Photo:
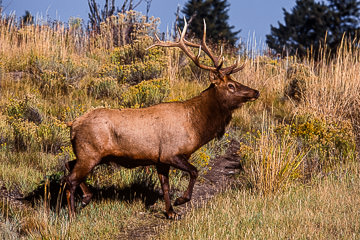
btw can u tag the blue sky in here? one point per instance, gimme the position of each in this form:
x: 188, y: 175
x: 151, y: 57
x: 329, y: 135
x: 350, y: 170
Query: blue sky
x: 254, y: 16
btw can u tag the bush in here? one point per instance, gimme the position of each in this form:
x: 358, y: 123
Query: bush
x: 331, y: 142
x: 57, y: 76
x: 104, y: 87
x: 124, y: 28
x: 202, y: 157
x: 69, y: 113
x: 146, y: 93
x: 297, y: 77
x: 53, y: 135
x: 24, y: 133
x: 132, y: 63
x: 30, y: 130
x: 25, y: 109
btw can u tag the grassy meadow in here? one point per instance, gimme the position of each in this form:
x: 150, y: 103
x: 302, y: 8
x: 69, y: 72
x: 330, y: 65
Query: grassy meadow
x: 298, y: 141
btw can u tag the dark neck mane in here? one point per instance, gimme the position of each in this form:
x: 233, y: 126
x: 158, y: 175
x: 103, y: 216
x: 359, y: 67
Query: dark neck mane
x: 209, y: 117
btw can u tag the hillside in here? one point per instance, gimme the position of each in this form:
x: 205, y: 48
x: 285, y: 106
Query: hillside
x: 295, y: 155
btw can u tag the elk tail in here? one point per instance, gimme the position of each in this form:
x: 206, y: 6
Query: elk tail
x: 69, y: 124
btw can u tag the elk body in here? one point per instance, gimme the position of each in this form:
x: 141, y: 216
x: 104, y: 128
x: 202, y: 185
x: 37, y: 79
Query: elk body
x: 164, y: 135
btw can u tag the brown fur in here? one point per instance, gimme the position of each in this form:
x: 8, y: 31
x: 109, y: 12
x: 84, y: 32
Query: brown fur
x: 163, y: 135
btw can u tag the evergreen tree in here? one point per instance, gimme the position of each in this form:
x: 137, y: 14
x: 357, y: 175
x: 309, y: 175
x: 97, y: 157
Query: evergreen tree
x: 215, y: 13
x: 27, y: 19
x: 345, y: 18
x: 310, y: 22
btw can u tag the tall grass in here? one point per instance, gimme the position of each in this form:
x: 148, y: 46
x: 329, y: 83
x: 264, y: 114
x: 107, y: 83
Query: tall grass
x: 328, y: 209
x: 271, y: 161
x: 334, y: 89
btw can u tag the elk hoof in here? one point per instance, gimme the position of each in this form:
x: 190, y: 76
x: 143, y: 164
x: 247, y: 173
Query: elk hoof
x: 86, y: 199
x: 173, y: 216
x: 180, y: 201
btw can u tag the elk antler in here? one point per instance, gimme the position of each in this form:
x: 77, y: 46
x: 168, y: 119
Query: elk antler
x: 183, y: 45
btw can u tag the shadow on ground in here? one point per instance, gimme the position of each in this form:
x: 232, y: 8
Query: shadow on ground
x: 52, y: 189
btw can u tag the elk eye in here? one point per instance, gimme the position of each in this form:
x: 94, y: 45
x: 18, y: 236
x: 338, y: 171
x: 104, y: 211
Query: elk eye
x: 231, y: 87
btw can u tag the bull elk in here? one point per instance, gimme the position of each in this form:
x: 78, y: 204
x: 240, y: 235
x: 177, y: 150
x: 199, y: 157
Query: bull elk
x: 164, y: 135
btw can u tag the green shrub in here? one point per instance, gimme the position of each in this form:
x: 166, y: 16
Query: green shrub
x: 49, y: 136
x: 24, y: 135
x: 5, y: 131
x: 57, y: 76
x: 132, y: 63
x: 331, y: 142
x: 65, y: 154
x: 53, y: 135
x: 69, y: 113
x: 31, y: 130
x: 202, y: 157
x: 25, y: 109
x: 104, y: 87
x: 146, y: 93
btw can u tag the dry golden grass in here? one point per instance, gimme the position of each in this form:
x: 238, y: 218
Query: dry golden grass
x: 326, y: 209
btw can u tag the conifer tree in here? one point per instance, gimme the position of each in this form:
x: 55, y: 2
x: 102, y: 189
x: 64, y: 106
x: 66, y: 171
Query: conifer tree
x: 215, y: 13
x: 345, y: 19
x: 310, y: 22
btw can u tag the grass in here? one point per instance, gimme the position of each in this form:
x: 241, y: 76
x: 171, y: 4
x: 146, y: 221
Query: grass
x: 304, y: 127
x: 326, y: 209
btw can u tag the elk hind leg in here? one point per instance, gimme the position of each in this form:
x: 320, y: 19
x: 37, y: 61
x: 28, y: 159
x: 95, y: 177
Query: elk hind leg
x: 163, y: 172
x: 76, y: 176
x: 87, y: 194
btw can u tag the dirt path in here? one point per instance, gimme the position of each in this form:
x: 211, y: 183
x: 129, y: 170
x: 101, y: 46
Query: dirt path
x: 219, y: 178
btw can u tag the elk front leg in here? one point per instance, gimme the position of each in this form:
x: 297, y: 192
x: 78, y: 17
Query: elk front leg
x: 163, y: 172
x: 181, y: 162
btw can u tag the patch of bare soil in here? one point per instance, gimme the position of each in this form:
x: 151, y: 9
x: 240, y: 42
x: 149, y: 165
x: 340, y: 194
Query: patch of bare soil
x: 217, y: 180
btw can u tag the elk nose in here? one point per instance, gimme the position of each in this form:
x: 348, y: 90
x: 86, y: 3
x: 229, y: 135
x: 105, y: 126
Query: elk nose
x: 257, y: 94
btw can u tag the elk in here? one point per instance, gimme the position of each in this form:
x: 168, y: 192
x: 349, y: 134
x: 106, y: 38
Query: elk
x: 164, y: 135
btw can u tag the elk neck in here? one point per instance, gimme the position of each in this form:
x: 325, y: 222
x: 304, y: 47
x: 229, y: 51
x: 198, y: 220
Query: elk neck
x: 209, y: 117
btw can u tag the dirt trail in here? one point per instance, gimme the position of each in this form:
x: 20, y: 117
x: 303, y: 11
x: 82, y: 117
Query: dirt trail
x: 218, y: 179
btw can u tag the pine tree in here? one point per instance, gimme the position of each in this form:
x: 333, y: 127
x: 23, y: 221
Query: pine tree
x: 304, y: 27
x: 345, y: 18
x: 215, y: 13
x: 27, y: 19
x: 310, y: 22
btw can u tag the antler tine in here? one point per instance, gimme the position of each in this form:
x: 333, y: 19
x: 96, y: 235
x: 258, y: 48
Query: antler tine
x: 184, y: 29
x: 207, y: 50
x: 236, y: 69
x: 221, y: 51
x: 233, y: 68
x: 221, y: 57
x: 155, y: 44
x: 182, y: 44
x: 157, y: 38
x: 204, y: 36
x: 198, y: 56
x: 172, y: 44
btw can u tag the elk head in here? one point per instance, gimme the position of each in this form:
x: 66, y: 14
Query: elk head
x: 231, y: 94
